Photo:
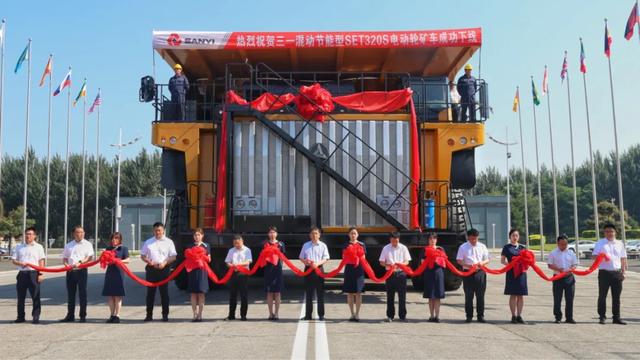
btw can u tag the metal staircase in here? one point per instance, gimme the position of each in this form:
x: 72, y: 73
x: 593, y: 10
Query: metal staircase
x: 460, y: 221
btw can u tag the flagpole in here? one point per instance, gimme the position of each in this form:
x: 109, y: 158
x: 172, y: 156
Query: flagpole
x: 540, y: 227
x: 508, y: 183
x: 26, y: 143
x: 553, y: 164
x: 573, y: 169
x: 84, y: 152
x: 619, y: 173
x: 594, y: 192
x: 4, y: 39
x: 97, y: 173
x: 66, y: 180
x: 46, y: 213
x: 524, y: 173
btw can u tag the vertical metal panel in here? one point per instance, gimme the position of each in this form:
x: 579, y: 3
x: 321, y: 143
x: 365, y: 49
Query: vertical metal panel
x: 265, y: 168
x: 251, y: 158
x: 359, y: 170
x: 278, y: 170
x: 292, y: 169
x: 237, y: 155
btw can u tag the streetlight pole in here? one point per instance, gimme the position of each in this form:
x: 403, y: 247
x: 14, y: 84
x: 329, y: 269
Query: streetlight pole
x: 120, y: 145
x: 506, y: 144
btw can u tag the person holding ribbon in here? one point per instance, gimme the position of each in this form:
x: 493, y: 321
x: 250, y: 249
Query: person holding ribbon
x: 273, y: 284
x: 198, y: 284
x: 353, y: 284
x: 433, y: 276
x: 473, y: 255
x: 158, y: 253
x: 394, y: 254
x: 314, y: 255
x: 113, y: 286
x: 28, y: 252
x: 516, y: 278
x: 611, y: 273
x: 562, y: 260
x: 77, y: 252
x: 238, y: 256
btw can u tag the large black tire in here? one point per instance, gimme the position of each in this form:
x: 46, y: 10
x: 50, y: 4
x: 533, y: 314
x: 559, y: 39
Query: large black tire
x: 451, y: 282
x: 416, y: 260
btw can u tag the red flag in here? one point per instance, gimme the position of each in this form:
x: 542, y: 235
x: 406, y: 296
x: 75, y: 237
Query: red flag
x: 607, y: 40
x: 631, y: 22
x: 47, y: 71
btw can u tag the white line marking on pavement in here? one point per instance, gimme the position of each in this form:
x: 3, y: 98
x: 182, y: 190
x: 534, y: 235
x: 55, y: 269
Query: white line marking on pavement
x: 300, y: 341
x: 322, y: 343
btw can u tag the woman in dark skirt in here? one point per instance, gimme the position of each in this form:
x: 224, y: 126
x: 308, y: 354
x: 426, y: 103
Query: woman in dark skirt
x: 515, y: 287
x: 273, y: 284
x: 198, y: 278
x: 433, y: 282
x: 353, y: 284
x: 114, y: 279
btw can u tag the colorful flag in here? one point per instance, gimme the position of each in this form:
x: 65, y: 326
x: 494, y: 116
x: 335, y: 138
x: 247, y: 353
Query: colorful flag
x: 65, y: 82
x: 516, y: 101
x: 607, y: 41
x: 534, y: 92
x: 81, y: 93
x: 545, y: 82
x: 631, y: 22
x: 96, y: 102
x: 565, y: 67
x: 23, y: 57
x: 583, y: 63
x: 47, y: 71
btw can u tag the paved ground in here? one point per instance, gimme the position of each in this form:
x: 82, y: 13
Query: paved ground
x: 335, y: 338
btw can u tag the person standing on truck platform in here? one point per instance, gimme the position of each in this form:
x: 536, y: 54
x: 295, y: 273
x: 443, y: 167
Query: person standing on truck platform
x: 178, y: 87
x: 454, y: 98
x: 515, y: 287
x: 198, y: 279
x: 28, y: 252
x: 469, y: 254
x: 158, y: 253
x: 353, y: 284
x: 467, y: 88
x: 273, y: 284
x: 77, y: 252
x: 395, y: 253
x: 610, y: 273
x: 238, y: 256
x: 434, y: 280
x: 560, y: 260
x: 314, y: 255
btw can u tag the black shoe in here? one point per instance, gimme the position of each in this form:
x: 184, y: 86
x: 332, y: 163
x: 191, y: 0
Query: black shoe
x: 558, y: 321
x: 514, y: 320
x: 109, y: 320
x: 602, y: 321
x: 148, y: 318
x: 570, y: 321
x: 306, y: 318
x: 271, y: 317
x: 165, y: 318
x: 275, y: 318
x: 468, y: 320
x: 321, y: 318
x: 356, y: 320
x: 431, y: 319
x: 404, y: 320
x: 520, y: 320
x: 436, y: 319
x: 67, y: 319
x: 35, y: 321
x: 352, y: 319
x: 243, y: 318
x: 229, y: 318
x: 116, y: 320
x: 619, y: 322
x: 481, y: 319
x: 18, y: 321
x: 194, y: 320
x: 83, y: 319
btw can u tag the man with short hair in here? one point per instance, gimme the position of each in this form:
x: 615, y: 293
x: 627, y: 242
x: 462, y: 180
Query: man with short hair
x: 28, y: 252
x: 77, y: 252
x: 392, y: 254
x: 314, y: 255
x: 238, y: 256
x: 158, y: 252
x: 611, y: 273
x: 562, y: 260
x: 469, y: 254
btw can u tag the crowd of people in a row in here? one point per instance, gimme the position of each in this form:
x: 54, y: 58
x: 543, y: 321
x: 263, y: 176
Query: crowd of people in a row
x: 159, y: 253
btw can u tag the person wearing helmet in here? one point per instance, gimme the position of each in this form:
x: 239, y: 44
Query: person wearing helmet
x: 467, y: 89
x: 178, y: 86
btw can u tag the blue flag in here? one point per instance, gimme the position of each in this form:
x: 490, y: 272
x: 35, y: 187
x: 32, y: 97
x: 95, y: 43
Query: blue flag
x: 23, y: 57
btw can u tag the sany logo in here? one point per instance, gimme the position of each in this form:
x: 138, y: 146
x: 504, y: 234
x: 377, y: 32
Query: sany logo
x: 174, y: 40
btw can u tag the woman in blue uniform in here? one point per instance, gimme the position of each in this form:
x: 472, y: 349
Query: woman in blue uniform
x: 198, y: 278
x: 353, y: 284
x: 273, y: 284
x: 114, y: 279
x: 515, y: 287
x: 433, y: 282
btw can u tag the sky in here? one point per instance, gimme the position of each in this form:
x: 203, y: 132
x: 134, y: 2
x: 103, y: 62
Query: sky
x: 109, y: 43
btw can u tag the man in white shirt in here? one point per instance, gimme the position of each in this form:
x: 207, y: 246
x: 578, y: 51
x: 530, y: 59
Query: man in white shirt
x: 560, y: 260
x: 611, y: 273
x: 472, y: 253
x: 238, y: 255
x: 29, y: 252
x: 313, y: 255
x: 158, y: 253
x: 77, y: 252
x: 395, y: 253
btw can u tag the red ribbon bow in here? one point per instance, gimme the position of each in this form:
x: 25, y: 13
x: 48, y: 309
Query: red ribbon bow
x: 522, y: 262
x: 313, y: 95
x: 352, y: 254
x: 108, y: 257
x: 433, y: 256
x: 195, y: 258
x: 271, y: 253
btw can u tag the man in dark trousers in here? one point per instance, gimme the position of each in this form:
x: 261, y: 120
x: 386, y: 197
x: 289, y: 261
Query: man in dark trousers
x: 238, y: 256
x: 178, y: 86
x: 392, y: 254
x: 611, y: 273
x: 29, y: 252
x: 313, y: 255
x: 560, y: 260
x: 77, y: 252
x: 158, y: 252
x: 467, y: 89
x: 469, y: 254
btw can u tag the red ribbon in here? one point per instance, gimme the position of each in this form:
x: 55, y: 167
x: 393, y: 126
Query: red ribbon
x: 271, y: 253
x: 433, y: 256
x: 352, y: 254
x: 195, y: 258
x: 311, y: 98
x: 522, y: 262
x: 108, y: 257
